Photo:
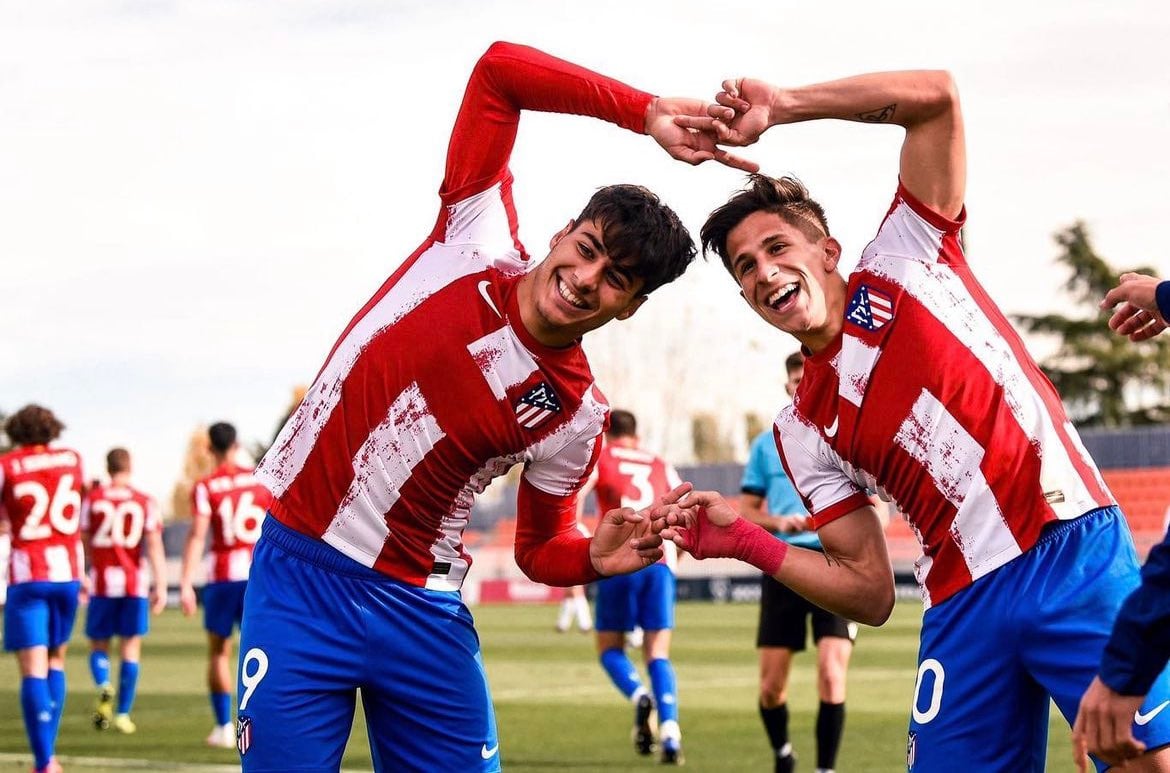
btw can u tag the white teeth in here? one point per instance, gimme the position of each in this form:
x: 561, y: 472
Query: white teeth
x: 569, y: 296
x: 775, y: 297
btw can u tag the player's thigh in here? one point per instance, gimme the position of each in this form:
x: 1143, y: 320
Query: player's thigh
x: 655, y: 598
x: 420, y: 717
x: 301, y: 655
x: 223, y: 606
x: 101, y: 618
x: 63, y: 600
x: 973, y: 700
x: 1079, y: 588
x: 26, y: 617
x: 783, y: 617
x: 613, y: 607
x: 133, y: 616
x: 40, y: 614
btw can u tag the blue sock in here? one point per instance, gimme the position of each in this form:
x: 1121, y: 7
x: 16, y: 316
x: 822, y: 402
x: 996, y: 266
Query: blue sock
x: 57, y: 696
x: 665, y: 689
x: 221, y: 705
x: 99, y: 666
x: 127, y: 686
x: 621, y: 671
x: 37, y: 707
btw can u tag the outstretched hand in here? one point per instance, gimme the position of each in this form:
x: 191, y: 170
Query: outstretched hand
x: 707, y: 527
x: 1138, y: 317
x: 689, y: 144
x: 743, y: 112
x: 624, y: 541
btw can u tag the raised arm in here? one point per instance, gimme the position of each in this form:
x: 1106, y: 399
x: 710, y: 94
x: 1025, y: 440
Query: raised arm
x: 925, y: 103
x: 510, y: 78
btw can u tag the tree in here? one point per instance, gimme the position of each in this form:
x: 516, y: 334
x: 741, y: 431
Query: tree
x: 1104, y: 379
x: 711, y: 445
x: 5, y: 443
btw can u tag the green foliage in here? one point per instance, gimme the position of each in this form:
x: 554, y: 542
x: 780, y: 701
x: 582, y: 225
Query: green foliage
x: 755, y: 424
x: 5, y: 443
x: 1104, y: 379
x: 710, y: 444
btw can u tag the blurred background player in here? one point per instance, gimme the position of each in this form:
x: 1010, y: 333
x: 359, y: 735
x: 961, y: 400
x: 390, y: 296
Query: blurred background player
x: 627, y: 476
x: 575, y: 606
x: 231, y: 504
x: 769, y: 499
x: 115, y: 520
x: 40, y: 487
x: 6, y: 551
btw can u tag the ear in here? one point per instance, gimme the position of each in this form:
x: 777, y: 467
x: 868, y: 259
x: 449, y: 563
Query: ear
x: 561, y: 234
x: 629, y: 310
x: 832, y: 254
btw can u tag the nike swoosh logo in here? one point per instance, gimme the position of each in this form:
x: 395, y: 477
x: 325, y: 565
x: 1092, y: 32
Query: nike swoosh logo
x: 487, y: 753
x: 831, y: 430
x: 483, y: 286
x: 1144, y: 719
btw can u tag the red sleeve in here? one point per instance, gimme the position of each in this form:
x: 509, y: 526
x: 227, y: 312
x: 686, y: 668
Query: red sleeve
x: 549, y: 548
x: 509, y: 78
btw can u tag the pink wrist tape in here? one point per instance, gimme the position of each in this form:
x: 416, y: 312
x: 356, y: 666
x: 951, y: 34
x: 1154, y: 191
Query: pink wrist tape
x: 757, y: 547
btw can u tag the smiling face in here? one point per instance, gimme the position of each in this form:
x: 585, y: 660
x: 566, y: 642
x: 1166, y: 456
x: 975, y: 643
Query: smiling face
x: 787, y: 278
x: 579, y: 287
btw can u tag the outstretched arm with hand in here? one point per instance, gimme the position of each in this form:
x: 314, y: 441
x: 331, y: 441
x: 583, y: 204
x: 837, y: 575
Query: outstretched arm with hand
x: 852, y: 577
x: 925, y: 103
x: 1142, y: 306
x: 549, y: 549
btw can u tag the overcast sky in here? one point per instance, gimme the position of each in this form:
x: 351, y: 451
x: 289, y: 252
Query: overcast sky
x: 195, y: 197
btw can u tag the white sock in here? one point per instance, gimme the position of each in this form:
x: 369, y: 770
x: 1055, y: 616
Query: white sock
x: 584, y: 619
x: 566, y: 614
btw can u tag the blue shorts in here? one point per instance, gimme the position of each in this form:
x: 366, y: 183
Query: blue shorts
x: 40, y: 614
x: 993, y: 654
x: 317, y: 626
x: 223, y: 606
x: 125, y: 616
x: 644, y: 598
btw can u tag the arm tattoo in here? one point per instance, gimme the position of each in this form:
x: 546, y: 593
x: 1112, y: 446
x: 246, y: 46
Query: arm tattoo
x: 881, y: 115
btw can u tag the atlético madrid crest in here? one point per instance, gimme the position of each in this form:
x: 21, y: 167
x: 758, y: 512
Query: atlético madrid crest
x: 869, y: 308
x: 243, y: 734
x: 537, y: 406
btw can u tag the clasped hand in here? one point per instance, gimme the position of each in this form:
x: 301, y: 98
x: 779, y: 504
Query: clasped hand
x: 625, y: 539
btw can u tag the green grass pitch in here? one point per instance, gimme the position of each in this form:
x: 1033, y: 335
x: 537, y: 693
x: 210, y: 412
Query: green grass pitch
x: 555, y: 708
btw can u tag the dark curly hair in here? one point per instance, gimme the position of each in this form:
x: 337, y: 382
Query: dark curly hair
x: 33, y: 425
x: 641, y: 233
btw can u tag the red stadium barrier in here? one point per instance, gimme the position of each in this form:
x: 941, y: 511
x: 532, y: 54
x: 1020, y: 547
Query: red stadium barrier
x: 517, y: 591
x: 1144, y: 496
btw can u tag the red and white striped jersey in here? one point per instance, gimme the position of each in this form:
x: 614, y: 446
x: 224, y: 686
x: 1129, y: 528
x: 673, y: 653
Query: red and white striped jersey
x: 40, y: 488
x: 115, y: 520
x: 436, y: 387
x: 235, y: 503
x: 929, y: 398
x: 631, y: 477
